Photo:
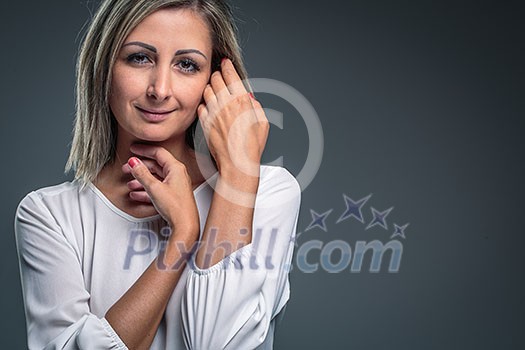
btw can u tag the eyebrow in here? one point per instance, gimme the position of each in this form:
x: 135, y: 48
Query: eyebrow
x: 141, y: 44
x: 154, y: 50
x: 185, y: 51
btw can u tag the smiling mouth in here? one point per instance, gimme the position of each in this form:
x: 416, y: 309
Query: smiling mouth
x: 153, y: 115
x: 154, y: 111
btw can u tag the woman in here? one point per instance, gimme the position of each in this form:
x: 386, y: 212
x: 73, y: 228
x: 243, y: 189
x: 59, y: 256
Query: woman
x: 152, y: 247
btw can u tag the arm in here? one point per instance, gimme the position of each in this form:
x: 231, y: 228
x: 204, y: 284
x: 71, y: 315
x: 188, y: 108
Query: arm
x: 231, y: 294
x: 231, y: 304
x: 236, y: 130
x: 55, y: 297
x: 137, y: 314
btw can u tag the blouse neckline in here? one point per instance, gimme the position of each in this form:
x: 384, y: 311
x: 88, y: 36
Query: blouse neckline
x: 130, y: 217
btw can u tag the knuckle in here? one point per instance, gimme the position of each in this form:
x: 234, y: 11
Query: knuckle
x: 156, y: 153
x: 256, y: 104
x: 215, y: 75
x: 242, y: 100
x: 226, y: 71
x: 245, y: 98
x: 202, y: 113
x: 178, y: 166
x: 207, y: 91
x: 175, y: 165
x: 153, y: 186
x: 139, y: 170
x: 223, y: 93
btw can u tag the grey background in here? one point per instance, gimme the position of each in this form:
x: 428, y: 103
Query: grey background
x: 421, y: 105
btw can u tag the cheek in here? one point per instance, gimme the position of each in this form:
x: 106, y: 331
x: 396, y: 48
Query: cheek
x: 124, y: 85
x: 190, y: 92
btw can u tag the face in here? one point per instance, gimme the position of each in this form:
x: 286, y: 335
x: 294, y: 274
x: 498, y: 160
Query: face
x: 160, y: 74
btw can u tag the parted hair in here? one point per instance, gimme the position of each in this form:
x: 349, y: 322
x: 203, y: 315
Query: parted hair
x: 95, y: 129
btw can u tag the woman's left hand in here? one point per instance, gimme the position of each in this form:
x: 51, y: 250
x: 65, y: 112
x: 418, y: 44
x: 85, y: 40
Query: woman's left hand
x: 172, y: 194
x: 137, y: 191
x: 234, y: 123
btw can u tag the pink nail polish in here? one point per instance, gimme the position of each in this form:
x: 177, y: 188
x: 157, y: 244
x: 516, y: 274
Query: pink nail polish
x: 133, y: 161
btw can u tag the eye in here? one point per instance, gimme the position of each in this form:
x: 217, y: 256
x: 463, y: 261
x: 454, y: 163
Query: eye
x: 138, y: 58
x: 188, y: 65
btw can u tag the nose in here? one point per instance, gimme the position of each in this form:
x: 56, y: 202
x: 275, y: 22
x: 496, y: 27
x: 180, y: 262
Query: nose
x: 160, y: 85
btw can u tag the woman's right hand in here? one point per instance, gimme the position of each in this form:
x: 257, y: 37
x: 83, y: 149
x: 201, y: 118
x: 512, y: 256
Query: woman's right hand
x: 170, y: 192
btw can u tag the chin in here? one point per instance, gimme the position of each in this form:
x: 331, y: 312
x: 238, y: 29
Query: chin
x: 158, y: 136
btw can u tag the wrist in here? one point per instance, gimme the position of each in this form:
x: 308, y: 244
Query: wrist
x: 177, y: 250
x: 240, y: 189
x: 239, y: 180
x: 231, y: 171
x: 184, y: 233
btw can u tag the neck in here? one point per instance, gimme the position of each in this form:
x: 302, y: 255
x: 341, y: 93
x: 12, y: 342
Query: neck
x: 176, y: 146
x: 112, y: 181
x: 112, y: 174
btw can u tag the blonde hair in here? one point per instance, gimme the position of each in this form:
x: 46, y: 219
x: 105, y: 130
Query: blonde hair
x: 95, y: 130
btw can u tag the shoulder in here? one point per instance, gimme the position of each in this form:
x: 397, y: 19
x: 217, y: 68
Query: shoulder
x: 43, y: 222
x: 278, y: 186
x: 46, y: 198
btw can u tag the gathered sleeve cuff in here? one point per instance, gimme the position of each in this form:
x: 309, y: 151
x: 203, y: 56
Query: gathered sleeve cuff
x: 216, y: 316
x: 231, y: 304
x: 89, y: 332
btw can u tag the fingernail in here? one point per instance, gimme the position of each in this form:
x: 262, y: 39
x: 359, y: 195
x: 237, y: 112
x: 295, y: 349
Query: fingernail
x: 223, y: 59
x: 133, y: 161
x: 252, y: 96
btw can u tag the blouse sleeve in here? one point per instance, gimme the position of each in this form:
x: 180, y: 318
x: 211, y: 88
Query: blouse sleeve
x: 230, y: 305
x: 55, y: 298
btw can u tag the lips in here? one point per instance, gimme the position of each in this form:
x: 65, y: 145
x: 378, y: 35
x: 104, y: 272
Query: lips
x: 154, y: 115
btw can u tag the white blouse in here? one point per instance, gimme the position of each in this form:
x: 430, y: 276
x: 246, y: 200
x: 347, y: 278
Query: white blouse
x: 79, y: 254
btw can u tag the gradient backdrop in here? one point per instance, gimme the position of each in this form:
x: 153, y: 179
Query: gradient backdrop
x: 421, y: 105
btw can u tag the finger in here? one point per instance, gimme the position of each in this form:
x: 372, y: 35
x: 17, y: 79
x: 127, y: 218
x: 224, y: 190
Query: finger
x: 142, y: 173
x: 202, y: 111
x: 219, y: 87
x: 169, y: 164
x: 140, y: 196
x: 126, y: 168
x: 159, y: 154
x: 204, y: 115
x: 209, y: 96
x: 205, y: 120
x: 152, y: 165
x: 135, y: 185
x: 232, y: 78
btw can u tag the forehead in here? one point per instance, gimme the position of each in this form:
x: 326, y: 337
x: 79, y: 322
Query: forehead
x: 173, y: 28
